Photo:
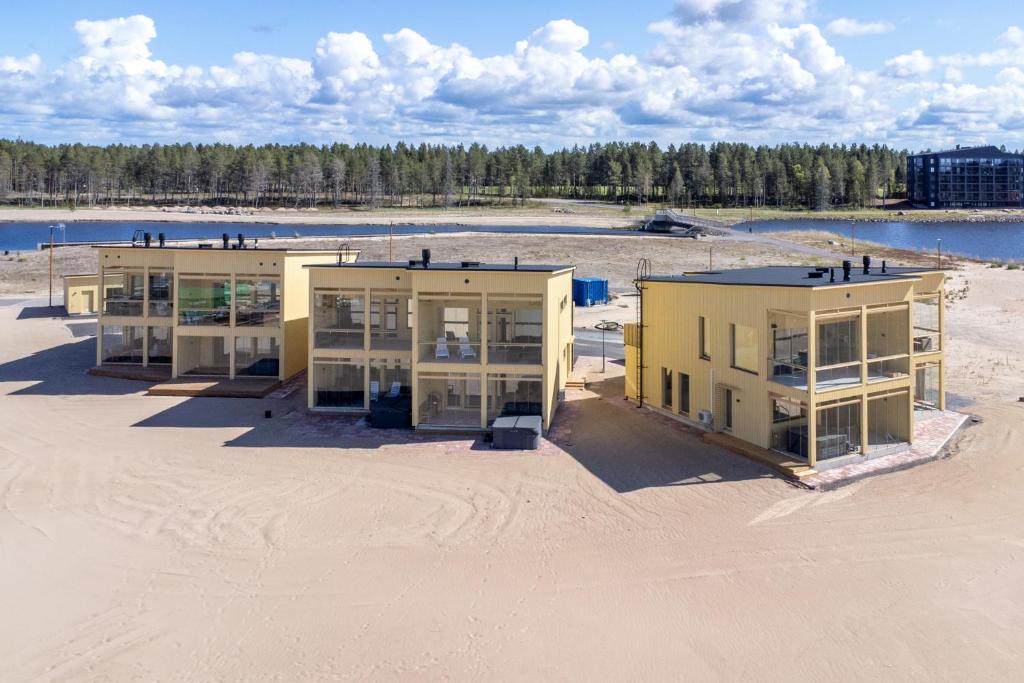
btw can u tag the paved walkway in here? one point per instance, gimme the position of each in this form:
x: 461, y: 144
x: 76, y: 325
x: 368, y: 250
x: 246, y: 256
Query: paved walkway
x: 930, y: 436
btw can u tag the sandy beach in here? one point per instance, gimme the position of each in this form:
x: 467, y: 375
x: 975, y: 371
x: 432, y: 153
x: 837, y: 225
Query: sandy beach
x: 155, y: 538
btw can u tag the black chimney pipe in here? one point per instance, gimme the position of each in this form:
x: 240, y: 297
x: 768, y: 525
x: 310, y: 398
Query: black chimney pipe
x: 867, y: 264
x: 515, y: 265
x: 147, y: 238
x: 224, y: 238
x: 426, y: 258
x: 883, y: 266
x: 847, y: 266
x: 241, y: 241
x: 161, y: 239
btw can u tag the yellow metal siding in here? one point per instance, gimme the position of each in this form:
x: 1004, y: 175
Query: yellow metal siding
x: 81, y: 294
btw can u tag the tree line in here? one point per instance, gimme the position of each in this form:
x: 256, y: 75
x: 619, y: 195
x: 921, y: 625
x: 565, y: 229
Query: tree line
x: 301, y: 175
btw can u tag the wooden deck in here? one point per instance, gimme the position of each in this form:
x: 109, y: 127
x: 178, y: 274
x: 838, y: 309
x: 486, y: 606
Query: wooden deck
x: 790, y: 467
x: 154, y: 373
x: 216, y: 388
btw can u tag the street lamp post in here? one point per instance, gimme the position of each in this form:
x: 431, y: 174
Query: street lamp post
x: 605, y: 326
x: 59, y: 226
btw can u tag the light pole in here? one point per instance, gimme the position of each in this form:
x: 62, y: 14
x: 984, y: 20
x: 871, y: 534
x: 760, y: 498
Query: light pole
x: 59, y: 226
x: 605, y: 326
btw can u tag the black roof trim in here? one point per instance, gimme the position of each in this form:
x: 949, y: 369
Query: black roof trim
x: 796, y: 276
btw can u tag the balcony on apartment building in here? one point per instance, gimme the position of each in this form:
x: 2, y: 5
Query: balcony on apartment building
x: 843, y: 357
x: 449, y: 329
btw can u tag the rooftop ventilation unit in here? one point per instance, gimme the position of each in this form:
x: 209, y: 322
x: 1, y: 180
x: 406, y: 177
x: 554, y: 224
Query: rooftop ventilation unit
x: 816, y: 275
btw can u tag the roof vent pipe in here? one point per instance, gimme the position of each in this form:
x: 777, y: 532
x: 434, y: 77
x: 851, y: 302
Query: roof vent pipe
x: 515, y: 263
x: 883, y: 266
x: 161, y: 239
x: 147, y: 238
x: 847, y: 266
x: 224, y: 238
x: 241, y: 241
x: 867, y: 264
x: 831, y: 274
x: 426, y: 258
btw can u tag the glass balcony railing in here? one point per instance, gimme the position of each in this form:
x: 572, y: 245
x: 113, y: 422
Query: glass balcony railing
x: 443, y: 350
x: 338, y: 338
x: 123, y: 306
x: 219, y: 316
x: 515, y: 353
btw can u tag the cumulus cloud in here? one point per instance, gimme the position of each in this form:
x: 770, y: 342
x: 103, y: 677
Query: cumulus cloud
x: 757, y: 70
x: 910, y: 65
x: 847, y: 27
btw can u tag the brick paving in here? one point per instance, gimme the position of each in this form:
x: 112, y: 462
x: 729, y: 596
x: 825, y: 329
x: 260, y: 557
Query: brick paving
x: 931, y: 433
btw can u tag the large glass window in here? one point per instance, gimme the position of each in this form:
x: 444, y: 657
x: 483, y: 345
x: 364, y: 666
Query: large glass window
x: 122, y: 344
x: 339, y: 319
x: 788, y: 358
x: 703, y: 338
x: 160, y: 345
x: 257, y: 302
x: 515, y: 332
x: 744, y: 347
x: 390, y: 322
x: 449, y: 400
x: 838, y: 429
x: 204, y: 300
x: 926, y: 384
x: 838, y: 353
x: 257, y: 357
x: 390, y: 378
x: 888, y: 420
x: 338, y: 384
x: 449, y: 330
x: 123, y: 291
x: 161, y: 284
x: 789, y: 427
x: 204, y: 355
x: 927, y: 335
x: 888, y: 345
x: 511, y: 395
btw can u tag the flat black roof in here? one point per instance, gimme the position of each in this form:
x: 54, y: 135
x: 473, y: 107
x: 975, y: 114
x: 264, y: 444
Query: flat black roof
x: 795, y: 276
x: 217, y: 247
x: 461, y: 266
x: 981, y: 151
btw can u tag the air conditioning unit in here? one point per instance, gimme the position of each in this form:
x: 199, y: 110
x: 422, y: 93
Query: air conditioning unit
x: 706, y: 418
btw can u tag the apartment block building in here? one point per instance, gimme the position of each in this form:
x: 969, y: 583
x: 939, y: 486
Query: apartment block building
x: 230, y: 312
x: 458, y: 344
x: 825, y: 365
x: 966, y: 177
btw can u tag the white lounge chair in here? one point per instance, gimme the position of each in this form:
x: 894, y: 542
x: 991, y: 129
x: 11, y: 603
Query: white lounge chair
x: 441, y: 350
x: 374, y: 390
x: 396, y: 388
x: 465, y: 350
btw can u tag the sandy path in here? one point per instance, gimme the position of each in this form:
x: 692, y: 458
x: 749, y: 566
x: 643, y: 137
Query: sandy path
x: 163, y: 539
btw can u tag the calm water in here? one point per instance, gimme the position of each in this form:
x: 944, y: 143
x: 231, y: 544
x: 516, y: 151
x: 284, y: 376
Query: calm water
x: 1004, y: 241
x: 982, y: 240
x: 28, y: 236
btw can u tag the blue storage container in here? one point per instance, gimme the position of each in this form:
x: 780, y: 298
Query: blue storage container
x: 589, y: 291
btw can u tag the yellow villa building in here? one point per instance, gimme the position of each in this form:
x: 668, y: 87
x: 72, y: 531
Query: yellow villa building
x: 456, y: 344
x: 824, y: 365
x: 232, y: 311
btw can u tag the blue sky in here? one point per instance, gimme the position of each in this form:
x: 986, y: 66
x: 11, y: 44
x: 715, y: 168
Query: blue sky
x: 914, y: 73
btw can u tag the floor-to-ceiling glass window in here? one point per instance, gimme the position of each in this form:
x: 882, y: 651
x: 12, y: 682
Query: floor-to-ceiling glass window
x: 838, y: 429
x: 515, y: 331
x: 509, y: 395
x: 257, y: 357
x: 339, y: 384
x: 339, y: 320
x: 257, y: 302
x: 122, y: 344
x: 204, y: 301
x: 204, y: 356
x: 160, y: 345
x: 451, y: 399
x: 161, y: 299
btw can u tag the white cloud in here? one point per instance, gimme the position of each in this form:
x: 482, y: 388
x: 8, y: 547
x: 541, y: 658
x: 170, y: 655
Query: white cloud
x: 911, y: 65
x: 753, y: 70
x: 845, y: 26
